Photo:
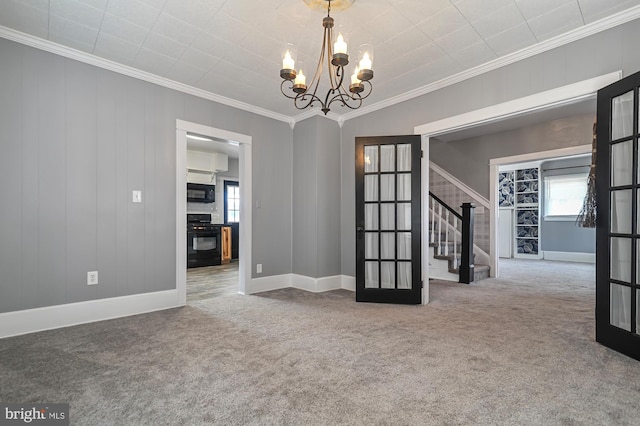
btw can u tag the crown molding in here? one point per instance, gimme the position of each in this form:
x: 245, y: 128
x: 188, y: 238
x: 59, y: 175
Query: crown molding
x: 312, y: 112
x: 106, y: 64
x: 544, y: 46
x: 552, y: 43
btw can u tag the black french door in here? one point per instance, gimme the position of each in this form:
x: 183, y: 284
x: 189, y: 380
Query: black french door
x: 618, y: 227
x: 388, y: 226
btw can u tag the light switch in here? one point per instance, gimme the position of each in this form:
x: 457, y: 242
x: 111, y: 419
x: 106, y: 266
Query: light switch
x: 137, y: 196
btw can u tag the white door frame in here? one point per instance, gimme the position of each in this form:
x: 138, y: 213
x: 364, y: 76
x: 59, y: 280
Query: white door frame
x: 540, y: 101
x: 245, y: 148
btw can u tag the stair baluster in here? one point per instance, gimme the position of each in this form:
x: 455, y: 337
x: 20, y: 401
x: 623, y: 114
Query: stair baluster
x: 466, y: 266
x: 440, y: 229
x: 446, y: 233
x: 433, y: 221
x: 455, y: 240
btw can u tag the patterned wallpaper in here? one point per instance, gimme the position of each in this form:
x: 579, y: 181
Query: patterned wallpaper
x: 505, y: 189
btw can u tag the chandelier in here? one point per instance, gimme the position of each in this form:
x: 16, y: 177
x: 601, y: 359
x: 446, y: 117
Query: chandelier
x: 334, y: 52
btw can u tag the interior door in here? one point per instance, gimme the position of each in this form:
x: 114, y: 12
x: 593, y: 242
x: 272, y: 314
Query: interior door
x: 618, y: 230
x: 388, y: 226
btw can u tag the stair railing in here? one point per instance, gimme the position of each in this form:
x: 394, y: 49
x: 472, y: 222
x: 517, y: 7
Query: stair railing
x: 440, y: 226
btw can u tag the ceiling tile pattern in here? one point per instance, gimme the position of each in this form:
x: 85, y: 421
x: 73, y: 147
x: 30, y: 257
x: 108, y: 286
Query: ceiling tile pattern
x: 232, y: 47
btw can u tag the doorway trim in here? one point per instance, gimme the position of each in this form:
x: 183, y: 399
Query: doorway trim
x: 245, y: 161
x: 540, y: 101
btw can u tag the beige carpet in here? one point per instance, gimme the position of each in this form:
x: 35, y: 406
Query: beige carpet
x: 502, y: 351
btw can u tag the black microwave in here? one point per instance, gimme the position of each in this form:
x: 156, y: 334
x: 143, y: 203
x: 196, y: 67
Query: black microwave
x: 201, y: 193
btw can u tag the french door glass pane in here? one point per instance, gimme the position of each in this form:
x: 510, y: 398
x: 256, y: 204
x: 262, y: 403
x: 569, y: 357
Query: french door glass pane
x: 371, y: 245
x: 638, y: 261
x: 637, y: 312
x: 620, y: 306
x: 371, y: 217
x: 387, y: 217
x: 638, y: 213
x: 621, y: 163
x: 404, y: 216
x: 370, y: 159
x: 388, y: 158
x: 387, y: 188
x: 404, y: 245
x: 388, y: 272
x: 371, y: 279
x: 404, y: 275
x: 371, y: 188
x: 621, y: 211
x: 404, y: 157
x: 622, y: 116
x: 404, y: 187
x: 387, y: 245
x: 620, y: 259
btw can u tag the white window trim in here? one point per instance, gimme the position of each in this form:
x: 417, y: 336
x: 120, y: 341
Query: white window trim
x: 559, y: 217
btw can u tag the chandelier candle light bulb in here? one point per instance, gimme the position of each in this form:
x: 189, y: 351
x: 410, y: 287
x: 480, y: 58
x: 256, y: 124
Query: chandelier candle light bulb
x: 288, y: 71
x: 366, y: 60
x: 288, y: 62
x: 340, y: 46
x: 300, y: 82
x: 356, y: 85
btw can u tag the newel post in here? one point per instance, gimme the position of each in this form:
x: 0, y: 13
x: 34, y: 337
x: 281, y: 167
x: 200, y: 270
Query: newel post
x: 466, y: 269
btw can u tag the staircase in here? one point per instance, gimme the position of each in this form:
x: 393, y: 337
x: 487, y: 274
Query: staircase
x: 446, y: 266
x: 452, y: 253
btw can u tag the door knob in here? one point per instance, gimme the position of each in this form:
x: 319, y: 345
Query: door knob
x: 359, y: 229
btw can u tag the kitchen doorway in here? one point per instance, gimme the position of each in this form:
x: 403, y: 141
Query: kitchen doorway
x: 220, y: 140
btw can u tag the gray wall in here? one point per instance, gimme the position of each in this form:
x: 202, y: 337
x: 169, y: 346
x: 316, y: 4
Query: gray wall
x: 75, y: 140
x: 468, y: 159
x: 565, y: 235
x: 599, y: 54
x: 316, y: 198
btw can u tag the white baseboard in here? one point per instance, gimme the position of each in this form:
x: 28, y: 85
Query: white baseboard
x: 569, y: 256
x: 51, y: 317
x: 316, y: 285
x: 348, y: 282
x: 274, y: 282
x: 302, y: 282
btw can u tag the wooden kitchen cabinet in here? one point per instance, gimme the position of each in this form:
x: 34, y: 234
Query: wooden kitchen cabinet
x: 226, y: 244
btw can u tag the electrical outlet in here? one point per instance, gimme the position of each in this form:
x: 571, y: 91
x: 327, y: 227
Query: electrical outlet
x: 92, y: 278
x: 259, y: 268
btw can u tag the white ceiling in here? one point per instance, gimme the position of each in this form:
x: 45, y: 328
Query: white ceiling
x: 232, y: 48
x: 213, y: 145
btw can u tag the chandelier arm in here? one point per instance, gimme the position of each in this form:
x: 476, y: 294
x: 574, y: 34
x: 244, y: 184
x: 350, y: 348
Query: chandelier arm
x: 290, y: 88
x: 301, y: 103
x: 367, y: 91
x: 330, y: 71
x: 344, y: 98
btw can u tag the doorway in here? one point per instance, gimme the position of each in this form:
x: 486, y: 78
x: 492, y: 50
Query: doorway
x: 534, y: 220
x: 553, y: 98
x: 244, y: 145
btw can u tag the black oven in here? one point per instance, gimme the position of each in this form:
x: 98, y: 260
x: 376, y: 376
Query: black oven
x: 201, y: 193
x: 203, y: 241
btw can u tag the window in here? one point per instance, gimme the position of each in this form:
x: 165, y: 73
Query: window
x: 564, y: 195
x: 231, y: 202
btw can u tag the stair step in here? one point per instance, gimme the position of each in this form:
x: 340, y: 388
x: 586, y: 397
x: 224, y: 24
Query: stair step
x: 480, y: 272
